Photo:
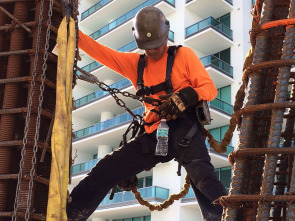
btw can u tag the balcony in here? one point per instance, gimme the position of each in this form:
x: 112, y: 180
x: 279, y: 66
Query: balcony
x: 94, y: 8
x: 215, y: 8
x: 102, y: 126
x: 100, y: 93
x: 208, y: 36
x: 221, y: 106
x: 128, y: 16
x: 220, y: 71
x: 105, y: 11
x: 152, y: 193
x: 83, y: 167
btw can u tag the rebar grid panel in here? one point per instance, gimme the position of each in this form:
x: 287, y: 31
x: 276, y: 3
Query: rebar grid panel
x: 282, y: 84
x: 254, y: 89
x: 10, y: 99
x: 262, y: 119
x: 287, y: 164
x: 18, y: 52
x: 273, y: 45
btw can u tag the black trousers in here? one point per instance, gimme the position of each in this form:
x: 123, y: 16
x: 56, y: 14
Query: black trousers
x: 130, y: 160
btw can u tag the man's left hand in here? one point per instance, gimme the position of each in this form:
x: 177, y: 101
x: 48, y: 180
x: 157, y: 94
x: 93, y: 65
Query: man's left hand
x: 172, y: 107
x: 176, y: 103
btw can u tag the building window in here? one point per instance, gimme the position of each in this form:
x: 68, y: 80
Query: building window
x: 224, y: 94
x: 225, y: 19
x: 218, y: 133
x: 224, y: 55
x: 142, y: 182
x: 149, y: 181
x: 224, y: 175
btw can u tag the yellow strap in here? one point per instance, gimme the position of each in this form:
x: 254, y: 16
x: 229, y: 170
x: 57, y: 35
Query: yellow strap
x: 62, y: 128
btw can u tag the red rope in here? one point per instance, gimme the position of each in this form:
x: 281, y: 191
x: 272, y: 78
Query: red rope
x: 287, y: 22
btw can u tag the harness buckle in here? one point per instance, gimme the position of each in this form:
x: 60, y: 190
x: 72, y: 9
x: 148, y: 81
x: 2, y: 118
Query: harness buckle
x: 185, y: 142
x: 144, y: 91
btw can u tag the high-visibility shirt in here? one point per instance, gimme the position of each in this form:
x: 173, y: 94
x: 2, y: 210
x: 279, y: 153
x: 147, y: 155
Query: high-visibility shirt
x: 187, y: 70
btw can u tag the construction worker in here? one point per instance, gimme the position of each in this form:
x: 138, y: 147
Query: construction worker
x: 187, y: 85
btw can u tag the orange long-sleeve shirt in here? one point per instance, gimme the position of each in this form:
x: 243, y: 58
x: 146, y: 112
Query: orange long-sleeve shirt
x: 187, y: 70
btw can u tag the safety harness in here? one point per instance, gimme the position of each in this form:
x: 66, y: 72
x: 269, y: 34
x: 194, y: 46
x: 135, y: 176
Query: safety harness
x: 166, y: 85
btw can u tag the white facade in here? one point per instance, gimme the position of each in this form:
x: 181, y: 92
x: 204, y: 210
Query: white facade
x: 99, y: 122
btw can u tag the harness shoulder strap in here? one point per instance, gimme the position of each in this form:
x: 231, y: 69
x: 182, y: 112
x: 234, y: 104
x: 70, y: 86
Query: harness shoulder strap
x: 170, y: 60
x: 140, y: 69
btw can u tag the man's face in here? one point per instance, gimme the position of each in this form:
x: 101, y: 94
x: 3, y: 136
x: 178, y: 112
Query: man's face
x: 156, y: 53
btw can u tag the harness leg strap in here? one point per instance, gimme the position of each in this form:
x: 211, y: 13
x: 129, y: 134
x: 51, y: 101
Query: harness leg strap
x: 184, y: 143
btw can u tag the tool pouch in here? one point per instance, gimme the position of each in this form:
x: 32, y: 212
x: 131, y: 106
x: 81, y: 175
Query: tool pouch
x: 203, y: 113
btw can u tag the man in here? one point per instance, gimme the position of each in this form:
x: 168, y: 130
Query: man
x: 190, y: 83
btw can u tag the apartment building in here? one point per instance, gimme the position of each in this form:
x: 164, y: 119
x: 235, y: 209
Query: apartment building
x: 218, y: 32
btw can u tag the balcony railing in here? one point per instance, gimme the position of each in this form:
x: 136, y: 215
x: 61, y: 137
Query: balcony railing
x: 94, y: 8
x: 128, y: 47
x: 127, y: 16
x: 107, y: 124
x: 92, y: 66
x: 84, y: 166
x: 208, y: 22
x: 147, y: 192
x: 218, y: 64
x: 222, y: 105
x: 99, y: 93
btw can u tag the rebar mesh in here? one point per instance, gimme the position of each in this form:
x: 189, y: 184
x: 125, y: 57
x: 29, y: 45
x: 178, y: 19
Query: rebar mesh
x: 18, y: 43
x: 261, y: 187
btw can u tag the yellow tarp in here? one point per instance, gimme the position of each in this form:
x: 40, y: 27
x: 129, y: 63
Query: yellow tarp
x: 62, y: 128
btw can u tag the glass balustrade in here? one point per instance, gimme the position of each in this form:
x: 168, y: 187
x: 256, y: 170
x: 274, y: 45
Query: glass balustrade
x: 94, y: 8
x: 219, y: 64
x: 93, y: 65
x: 222, y: 105
x: 128, y: 47
x: 99, y: 93
x: 147, y: 192
x: 207, y: 22
x: 108, y: 123
x: 126, y: 17
x: 84, y: 166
